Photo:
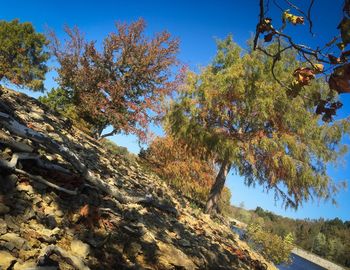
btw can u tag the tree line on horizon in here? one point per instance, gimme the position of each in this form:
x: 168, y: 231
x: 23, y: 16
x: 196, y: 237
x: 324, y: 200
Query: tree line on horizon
x: 328, y: 238
x: 235, y: 110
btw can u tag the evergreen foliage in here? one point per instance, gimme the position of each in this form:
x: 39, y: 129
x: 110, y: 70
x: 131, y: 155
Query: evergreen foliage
x: 22, y: 55
x: 329, y: 239
x: 61, y: 101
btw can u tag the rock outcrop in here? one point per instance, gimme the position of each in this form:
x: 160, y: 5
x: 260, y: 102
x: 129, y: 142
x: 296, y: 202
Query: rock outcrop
x: 67, y: 203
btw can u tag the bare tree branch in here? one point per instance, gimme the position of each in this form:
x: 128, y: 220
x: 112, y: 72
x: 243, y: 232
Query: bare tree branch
x: 261, y: 20
x: 309, y: 17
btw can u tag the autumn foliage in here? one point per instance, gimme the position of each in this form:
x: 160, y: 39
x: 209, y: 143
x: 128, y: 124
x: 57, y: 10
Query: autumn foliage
x: 188, y: 172
x: 122, y: 84
x: 330, y: 60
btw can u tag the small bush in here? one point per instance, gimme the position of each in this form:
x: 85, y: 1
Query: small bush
x: 61, y: 101
x: 189, y: 172
x: 272, y: 246
x: 117, y: 150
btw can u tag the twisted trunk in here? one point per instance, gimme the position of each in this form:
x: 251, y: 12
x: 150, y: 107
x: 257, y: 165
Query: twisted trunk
x: 217, y: 188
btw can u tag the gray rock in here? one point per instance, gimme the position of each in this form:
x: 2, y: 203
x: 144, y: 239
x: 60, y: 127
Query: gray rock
x: 184, y: 243
x: 48, y: 236
x: 170, y: 256
x: 59, y: 213
x: 7, y: 245
x: 12, y: 223
x: 9, y: 183
x: 25, y: 265
x: 132, y: 249
x: 4, y: 209
x: 26, y: 188
x: 36, y: 268
x: 29, y: 214
x: 51, y: 222
x: 3, y: 226
x: 131, y: 215
x: 47, y: 199
x: 48, y: 210
x: 14, y: 239
x: 36, y: 116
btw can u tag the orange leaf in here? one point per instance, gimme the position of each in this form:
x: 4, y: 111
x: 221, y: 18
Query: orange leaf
x: 84, y: 211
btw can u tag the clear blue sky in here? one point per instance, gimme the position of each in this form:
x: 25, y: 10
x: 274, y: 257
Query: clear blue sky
x: 197, y: 24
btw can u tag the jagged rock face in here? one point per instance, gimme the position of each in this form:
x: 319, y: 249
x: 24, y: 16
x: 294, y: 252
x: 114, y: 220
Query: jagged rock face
x: 126, y: 219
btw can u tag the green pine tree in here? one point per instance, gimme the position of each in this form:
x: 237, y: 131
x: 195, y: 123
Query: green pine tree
x: 22, y: 55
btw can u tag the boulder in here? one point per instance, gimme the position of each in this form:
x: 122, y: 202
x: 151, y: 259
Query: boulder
x: 169, y: 256
x: 6, y: 259
x: 4, y: 209
x: 14, y: 239
x: 80, y: 248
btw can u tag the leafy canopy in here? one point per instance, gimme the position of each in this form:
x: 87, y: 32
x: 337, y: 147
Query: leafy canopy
x: 238, y: 112
x: 123, y: 83
x: 22, y: 55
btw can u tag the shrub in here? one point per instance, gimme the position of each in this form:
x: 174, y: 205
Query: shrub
x: 272, y: 246
x: 192, y: 173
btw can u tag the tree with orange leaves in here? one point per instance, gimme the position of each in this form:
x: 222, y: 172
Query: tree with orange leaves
x: 122, y: 84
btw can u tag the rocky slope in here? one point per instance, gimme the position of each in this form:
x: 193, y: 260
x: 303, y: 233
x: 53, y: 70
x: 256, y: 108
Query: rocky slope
x: 68, y: 203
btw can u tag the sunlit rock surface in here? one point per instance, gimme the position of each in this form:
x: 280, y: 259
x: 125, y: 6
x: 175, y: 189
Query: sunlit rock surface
x: 146, y: 225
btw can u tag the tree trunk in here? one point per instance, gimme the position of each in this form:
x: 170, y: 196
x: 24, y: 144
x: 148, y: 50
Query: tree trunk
x: 218, y: 186
x: 113, y: 132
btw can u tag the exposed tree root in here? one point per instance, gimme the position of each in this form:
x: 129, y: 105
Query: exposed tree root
x: 23, y: 131
x: 18, y: 146
x: 42, y: 180
x: 11, y: 166
x: 150, y: 201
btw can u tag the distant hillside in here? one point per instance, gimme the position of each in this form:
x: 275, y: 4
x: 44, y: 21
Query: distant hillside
x: 329, y: 239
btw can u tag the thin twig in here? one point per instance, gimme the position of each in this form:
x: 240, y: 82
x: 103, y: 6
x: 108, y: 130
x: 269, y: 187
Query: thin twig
x: 267, y: 7
x: 307, y: 16
x: 277, y: 5
x: 305, y: 49
x: 275, y: 58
